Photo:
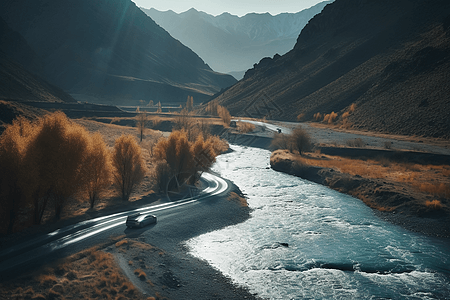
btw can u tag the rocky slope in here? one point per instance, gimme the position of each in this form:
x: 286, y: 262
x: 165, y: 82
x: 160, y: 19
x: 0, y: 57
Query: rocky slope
x: 390, y: 58
x: 109, y: 49
x: 230, y: 43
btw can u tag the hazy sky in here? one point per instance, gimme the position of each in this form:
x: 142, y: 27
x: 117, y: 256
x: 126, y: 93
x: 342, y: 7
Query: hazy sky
x: 235, y: 7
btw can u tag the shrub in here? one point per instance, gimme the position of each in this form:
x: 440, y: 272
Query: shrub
x: 217, y: 144
x: 330, y: 118
x: 245, y: 127
x: 435, y: 204
x: 129, y: 166
x: 387, y: 145
x: 357, y: 143
x: 317, y: 117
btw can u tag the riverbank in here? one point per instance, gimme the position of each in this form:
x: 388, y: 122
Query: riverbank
x: 396, y: 202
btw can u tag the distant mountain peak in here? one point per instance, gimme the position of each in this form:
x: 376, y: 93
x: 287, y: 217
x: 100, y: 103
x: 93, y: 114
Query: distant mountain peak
x: 231, y: 43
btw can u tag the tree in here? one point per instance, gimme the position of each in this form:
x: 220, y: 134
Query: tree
x: 190, y: 103
x: 141, y: 122
x: 298, y: 140
x: 301, y: 140
x: 281, y: 141
x: 212, y: 107
x: 176, y: 151
x: 129, y: 166
x: 224, y: 114
x: 159, y: 109
x: 56, y: 157
x: 204, y: 155
x: 187, y: 160
x: 13, y: 143
x: 97, y: 168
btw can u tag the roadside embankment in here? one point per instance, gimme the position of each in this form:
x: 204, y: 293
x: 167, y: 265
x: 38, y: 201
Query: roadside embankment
x: 397, y: 202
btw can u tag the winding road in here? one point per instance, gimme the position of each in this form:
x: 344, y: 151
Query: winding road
x: 77, y: 237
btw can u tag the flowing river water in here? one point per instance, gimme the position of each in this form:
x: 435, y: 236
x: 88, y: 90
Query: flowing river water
x: 305, y: 241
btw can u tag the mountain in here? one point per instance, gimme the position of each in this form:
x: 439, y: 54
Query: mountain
x: 389, y: 58
x: 232, y: 44
x: 110, y: 50
x: 16, y: 82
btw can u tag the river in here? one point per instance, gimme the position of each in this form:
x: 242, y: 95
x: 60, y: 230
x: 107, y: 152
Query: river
x: 305, y: 241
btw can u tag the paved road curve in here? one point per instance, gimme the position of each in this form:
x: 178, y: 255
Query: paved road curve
x: 77, y: 237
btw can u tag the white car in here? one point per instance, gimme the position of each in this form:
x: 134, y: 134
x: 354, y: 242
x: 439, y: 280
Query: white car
x: 140, y: 220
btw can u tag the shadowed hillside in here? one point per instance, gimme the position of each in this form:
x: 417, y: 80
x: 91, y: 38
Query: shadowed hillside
x: 16, y: 82
x: 109, y: 49
x: 230, y: 43
x: 390, y: 58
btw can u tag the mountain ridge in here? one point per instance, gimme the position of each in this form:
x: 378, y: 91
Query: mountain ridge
x: 111, y: 50
x: 230, y: 43
x: 390, y: 59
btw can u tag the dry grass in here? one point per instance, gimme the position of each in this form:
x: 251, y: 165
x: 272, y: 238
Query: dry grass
x: 435, y: 204
x: 357, y: 143
x: 90, y: 274
x: 121, y: 243
x: 245, y: 127
x: 430, y: 179
x: 437, y: 189
x: 236, y: 198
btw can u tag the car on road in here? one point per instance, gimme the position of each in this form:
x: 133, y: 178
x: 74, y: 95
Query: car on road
x: 140, y: 220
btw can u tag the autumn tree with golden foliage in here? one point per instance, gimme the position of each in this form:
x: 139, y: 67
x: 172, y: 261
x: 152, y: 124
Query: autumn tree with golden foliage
x: 56, y: 157
x: 176, y: 151
x: 97, y: 169
x: 224, y: 114
x: 187, y: 160
x: 13, y: 144
x: 129, y: 166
